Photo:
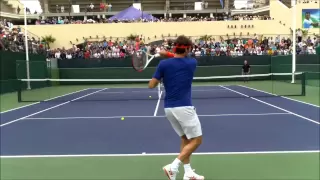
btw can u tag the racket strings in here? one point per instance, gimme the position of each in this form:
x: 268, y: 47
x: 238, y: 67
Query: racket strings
x: 139, y: 60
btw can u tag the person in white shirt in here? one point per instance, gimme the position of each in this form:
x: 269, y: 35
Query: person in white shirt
x: 251, y: 51
x: 197, y: 53
x: 307, y: 22
x: 259, y: 52
x: 233, y: 53
x: 157, y: 50
x: 113, y: 48
x: 254, y: 52
x: 310, y: 49
x: 240, y: 53
x: 114, y: 54
x: 91, y: 6
x: 258, y: 48
x: 69, y: 56
x: 104, y: 53
x: 109, y: 54
x: 57, y: 55
x: 62, y: 9
x: 299, y: 35
x: 313, y: 41
x: 96, y: 55
x: 109, y: 7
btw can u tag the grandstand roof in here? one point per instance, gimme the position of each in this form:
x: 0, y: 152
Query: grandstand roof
x: 10, y: 6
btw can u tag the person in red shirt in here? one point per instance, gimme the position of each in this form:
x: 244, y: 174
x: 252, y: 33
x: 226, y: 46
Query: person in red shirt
x: 87, y: 55
x: 102, y: 7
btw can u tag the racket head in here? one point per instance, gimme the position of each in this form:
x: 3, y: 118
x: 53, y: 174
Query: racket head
x: 139, y: 60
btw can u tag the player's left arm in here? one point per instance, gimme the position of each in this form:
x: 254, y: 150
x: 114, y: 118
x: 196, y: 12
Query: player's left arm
x: 156, y: 77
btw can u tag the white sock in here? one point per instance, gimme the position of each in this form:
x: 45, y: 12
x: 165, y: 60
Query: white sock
x: 187, y: 168
x: 175, y: 164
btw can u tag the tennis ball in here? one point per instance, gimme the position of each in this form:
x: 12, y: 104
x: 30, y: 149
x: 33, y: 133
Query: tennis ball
x: 149, y: 96
x: 122, y: 118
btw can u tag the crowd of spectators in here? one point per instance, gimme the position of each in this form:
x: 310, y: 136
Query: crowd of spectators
x: 13, y: 39
x: 211, y: 47
x: 222, y: 17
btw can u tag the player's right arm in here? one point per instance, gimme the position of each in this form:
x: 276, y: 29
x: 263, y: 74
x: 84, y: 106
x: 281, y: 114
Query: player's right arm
x: 157, y: 76
x: 166, y: 54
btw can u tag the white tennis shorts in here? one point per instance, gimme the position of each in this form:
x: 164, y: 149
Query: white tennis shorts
x: 184, y: 121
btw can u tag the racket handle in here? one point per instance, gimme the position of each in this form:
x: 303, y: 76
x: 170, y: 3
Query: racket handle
x: 157, y: 55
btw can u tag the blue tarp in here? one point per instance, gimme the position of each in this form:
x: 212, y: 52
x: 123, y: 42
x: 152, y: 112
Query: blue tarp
x: 132, y: 13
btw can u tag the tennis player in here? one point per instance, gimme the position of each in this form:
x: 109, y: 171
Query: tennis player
x: 246, y: 70
x: 177, y: 75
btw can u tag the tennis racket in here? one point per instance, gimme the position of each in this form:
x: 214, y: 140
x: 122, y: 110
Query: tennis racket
x: 141, y: 60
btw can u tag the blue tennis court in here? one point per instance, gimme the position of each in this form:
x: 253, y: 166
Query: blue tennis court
x: 79, y: 124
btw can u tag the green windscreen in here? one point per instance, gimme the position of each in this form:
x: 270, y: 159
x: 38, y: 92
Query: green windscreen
x: 37, y: 70
x: 130, y: 73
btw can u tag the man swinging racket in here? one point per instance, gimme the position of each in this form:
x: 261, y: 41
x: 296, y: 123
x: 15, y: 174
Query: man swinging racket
x: 177, y: 73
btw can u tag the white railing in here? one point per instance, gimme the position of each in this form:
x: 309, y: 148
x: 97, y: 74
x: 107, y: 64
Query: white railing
x: 250, y: 11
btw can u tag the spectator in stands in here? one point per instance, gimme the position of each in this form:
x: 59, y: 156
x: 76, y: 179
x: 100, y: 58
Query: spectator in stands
x: 62, y: 9
x: 102, y: 6
x: 109, y: 7
x: 91, y: 7
x: 188, y: 18
x: 299, y: 35
x: 18, y: 10
x: 68, y: 55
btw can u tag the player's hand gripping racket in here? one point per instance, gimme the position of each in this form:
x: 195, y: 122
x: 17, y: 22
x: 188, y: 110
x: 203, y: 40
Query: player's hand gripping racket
x: 141, y: 60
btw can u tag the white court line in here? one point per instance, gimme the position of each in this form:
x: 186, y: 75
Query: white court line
x: 122, y: 92
x: 157, y: 154
x: 16, y: 120
x: 111, y: 92
x: 157, y: 106
x: 290, y: 112
x: 114, y: 117
x: 280, y: 96
x: 39, y: 102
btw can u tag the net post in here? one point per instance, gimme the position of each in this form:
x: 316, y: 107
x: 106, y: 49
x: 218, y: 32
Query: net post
x: 303, y: 84
x: 26, y: 46
x: 19, y: 91
x: 294, y: 26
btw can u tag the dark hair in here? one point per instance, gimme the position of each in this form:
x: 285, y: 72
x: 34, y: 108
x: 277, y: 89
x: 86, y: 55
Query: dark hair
x: 182, y: 41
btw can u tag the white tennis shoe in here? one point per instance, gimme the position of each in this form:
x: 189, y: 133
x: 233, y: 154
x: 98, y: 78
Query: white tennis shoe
x: 169, y: 173
x: 192, y: 176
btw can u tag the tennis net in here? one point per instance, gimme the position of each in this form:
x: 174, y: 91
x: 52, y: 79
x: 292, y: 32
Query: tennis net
x: 258, y: 85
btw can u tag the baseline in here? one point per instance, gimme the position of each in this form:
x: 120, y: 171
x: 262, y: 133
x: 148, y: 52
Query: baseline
x: 157, y: 154
x: 22, y: 118
x: 45, y: 100
x: 280, y: 96
x: 290, y: 112
x: 114, y: 117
